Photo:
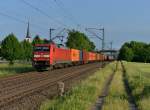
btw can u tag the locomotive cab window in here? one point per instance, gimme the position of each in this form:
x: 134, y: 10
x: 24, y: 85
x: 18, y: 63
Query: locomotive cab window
x: 41, y: 48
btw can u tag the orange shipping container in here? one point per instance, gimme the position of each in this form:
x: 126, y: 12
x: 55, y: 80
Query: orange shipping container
x: 75, y: 55
x: 92, y: 56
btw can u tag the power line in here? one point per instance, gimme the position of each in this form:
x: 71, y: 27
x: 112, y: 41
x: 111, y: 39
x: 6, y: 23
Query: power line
x: 67, y: 14
x: 66, y: 10
x: 42, y: 12
x: 55, y: 10
x: 13, y: 18
x: 19, y: 20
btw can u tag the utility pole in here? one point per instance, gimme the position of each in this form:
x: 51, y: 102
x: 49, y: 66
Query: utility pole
x: 102, y: 38
x: 111, y: 43
x: 50, y: 33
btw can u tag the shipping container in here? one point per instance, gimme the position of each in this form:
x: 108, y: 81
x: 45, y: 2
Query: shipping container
x: 74, y: 55
x: 81, y: 56
x: 85, y: 56
x: 91, y: 56
x: 60, y: 55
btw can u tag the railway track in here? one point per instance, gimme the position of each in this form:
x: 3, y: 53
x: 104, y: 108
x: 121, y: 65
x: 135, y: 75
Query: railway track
x: 16, y: 87
x: 31, y: 77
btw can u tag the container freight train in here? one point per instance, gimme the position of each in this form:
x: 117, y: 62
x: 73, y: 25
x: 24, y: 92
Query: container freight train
x: 50, y: 55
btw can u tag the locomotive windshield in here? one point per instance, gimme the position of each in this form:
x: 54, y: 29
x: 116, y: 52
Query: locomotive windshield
x: 41, y: 48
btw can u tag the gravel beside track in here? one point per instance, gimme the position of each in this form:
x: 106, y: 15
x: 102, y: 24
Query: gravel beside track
x: 27, y: 91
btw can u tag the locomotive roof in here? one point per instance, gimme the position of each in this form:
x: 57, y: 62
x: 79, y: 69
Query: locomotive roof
x: 42, y: 44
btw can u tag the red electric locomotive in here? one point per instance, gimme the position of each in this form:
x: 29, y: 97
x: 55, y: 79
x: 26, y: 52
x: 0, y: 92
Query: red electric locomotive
x: 48, y: 55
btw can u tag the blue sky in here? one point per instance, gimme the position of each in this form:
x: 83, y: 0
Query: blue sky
x: 123, y: 20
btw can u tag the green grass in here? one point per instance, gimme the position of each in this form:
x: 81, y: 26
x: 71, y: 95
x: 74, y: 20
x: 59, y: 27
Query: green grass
x: 117, y: 98
x: 6, y: 69
x: 84, y: 95
x: 138, y: 75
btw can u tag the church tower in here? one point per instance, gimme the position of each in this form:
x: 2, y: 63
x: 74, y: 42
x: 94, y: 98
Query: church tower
x: 28, y: 38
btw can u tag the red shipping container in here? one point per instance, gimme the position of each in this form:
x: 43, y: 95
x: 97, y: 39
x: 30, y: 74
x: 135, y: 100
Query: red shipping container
x: 85, y: 56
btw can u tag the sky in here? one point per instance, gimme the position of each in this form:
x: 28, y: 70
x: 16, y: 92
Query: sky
x: 123, y: 20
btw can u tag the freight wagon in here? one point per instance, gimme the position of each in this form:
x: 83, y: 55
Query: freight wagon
x: 49, y: 55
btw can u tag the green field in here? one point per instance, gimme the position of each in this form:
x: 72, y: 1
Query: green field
x: 138, y: 75
x: 6, y: 69
x: 82, y: 96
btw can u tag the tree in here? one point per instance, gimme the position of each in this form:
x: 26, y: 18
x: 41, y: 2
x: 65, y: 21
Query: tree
x: 10, y: 48
x: 0, y: 52
x: 137, y: 48
x: 92, y: 46
x: 126, y: 53
x: 135, y: 51
x: 37, y: 40
x: 27, y: 50
x: 79, y: 41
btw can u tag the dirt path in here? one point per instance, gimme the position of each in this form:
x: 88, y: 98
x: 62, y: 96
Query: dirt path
x: 99, y: 104
x: 131, y: 100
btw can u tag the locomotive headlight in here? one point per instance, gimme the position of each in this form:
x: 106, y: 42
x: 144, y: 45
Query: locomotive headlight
x: 36, y: 56
x: 46, y: 56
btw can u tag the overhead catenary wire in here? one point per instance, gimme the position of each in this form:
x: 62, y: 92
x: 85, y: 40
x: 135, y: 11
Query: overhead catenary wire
x: 52, y: 8
x: 66, y: 12
x: 20, y: 20
x: 13, y: 18
x: 43, y: 13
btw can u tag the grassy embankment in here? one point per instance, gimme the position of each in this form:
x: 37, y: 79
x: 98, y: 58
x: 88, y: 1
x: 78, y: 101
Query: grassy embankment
x: 6, y: 69
x: 117, y: 98
x: 82, y: 96
x: 138, y: 75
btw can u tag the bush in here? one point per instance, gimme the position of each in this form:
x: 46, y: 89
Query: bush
x: 11, y: 48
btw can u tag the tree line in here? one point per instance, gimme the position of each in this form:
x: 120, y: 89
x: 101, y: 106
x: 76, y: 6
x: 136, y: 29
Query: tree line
x: 135, y: 51
x: 11, y: 49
